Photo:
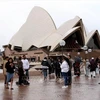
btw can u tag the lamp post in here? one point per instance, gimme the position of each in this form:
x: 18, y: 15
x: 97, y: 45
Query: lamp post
x: 48, y: 48
x: 62, y: 44
x: 85, y: 49
x: 86, y: 52
x: 89, y: 50
x: 78, y: 53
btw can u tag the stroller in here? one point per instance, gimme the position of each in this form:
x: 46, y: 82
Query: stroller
x: 24, y: 79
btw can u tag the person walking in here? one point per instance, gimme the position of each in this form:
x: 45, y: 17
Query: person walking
x: 10, y: 72
x: 45, y: 66
x: 64, y: 70
x: 4, y: 70
x: 26, y: 66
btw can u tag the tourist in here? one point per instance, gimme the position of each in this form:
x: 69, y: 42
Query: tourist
x: 50, y: 66
x: 64, y: 69
x: 76, y: 66
x: 45, y: 66
x: 87, y: 68
x: 26, y: 66
x: 57, y: 65
x: 20, y: 71
x: 10, y: 72
x: 70, y: 68
x: 97, y: 63
x: 4, y: 70
x: 93, y: 67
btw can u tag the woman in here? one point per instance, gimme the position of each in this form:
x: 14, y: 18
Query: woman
x: 10, y: 72
x: 64, y: 70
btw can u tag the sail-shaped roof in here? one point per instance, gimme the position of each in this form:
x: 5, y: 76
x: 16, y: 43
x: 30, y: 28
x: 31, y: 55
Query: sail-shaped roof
x: 38, y: 26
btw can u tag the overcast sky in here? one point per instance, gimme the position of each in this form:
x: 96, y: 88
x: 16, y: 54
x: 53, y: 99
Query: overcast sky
x: 13, y: 14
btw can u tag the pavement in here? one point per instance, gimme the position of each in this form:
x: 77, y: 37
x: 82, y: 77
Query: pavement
x: 82, y: 88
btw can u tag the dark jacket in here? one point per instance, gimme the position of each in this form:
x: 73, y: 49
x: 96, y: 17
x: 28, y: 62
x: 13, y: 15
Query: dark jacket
x: 20, y: 68
x: 57, y: 65
x: 10, y: 68
x: 45, y: 63
x: 92, y: 65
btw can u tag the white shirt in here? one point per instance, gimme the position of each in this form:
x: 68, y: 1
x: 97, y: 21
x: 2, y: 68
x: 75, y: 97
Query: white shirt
x: 64, y: 67
x: 25, y: 64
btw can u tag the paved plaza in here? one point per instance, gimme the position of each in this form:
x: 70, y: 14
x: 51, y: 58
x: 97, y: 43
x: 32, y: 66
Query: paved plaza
x: 82, y: 88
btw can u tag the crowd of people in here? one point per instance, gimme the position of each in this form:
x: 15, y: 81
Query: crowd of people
x: 58, y: 68
x: 63, y: 67
x: 21, y: 69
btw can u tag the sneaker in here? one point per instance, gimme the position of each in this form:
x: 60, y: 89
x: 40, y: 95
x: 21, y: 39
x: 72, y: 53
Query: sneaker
x: 64, y: 87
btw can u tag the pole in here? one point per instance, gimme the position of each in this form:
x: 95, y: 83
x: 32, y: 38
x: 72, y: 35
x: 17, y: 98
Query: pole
x: 62, y: 51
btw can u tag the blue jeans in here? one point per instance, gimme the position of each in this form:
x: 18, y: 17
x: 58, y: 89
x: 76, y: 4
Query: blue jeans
x: 65, y: 76
x: 45, y: 73
x: 9, y: 76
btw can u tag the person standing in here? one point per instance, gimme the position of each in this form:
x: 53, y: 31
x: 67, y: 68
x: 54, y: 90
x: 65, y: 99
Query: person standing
x: 97, y: 68
x: 10, y: 72
x: 87, y: 67
x: 4, y: 70
x: 57, y: 65
x: 25, y: 66
x: 92, y: 67
x: 50, y: 67
x: 20, y: 71
x: 45, y: 66
x: 64, y: 70
x: 76, y: 66
x: 70, y: 68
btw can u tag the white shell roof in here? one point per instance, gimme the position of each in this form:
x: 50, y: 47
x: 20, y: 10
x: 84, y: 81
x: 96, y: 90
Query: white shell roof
x: 68, y: 25
x: 37, y: 28
x: 66, y: 35
x: 90, y: 35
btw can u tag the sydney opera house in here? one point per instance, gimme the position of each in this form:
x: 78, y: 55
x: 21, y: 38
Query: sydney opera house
x: 39, y: 37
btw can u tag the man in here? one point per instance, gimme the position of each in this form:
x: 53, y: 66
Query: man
x: 20, y: 71
x: 26, y: 66
x: 92, y: 67
x: 70, y: 68
x: 64, y: 69
x: 57, y: 64
x: 45, y: 66
x: 76, y: 66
